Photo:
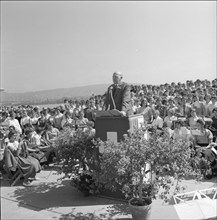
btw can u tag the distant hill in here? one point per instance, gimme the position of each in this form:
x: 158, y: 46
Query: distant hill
x: 54, y: 94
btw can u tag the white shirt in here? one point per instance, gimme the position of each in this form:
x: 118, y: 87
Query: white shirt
x: 169, y: 121
x: 209, y: 109
x: 66, y: 121
x: 25, y: 120
x: 47, y: 116
x: 13, y: 146
x: 35, y: 139
x: 183, y: 132
x: 134, y: 109
x: 33, y: 120
x: 158, y: 122
x: 83, y: 121
x: 58, y: 119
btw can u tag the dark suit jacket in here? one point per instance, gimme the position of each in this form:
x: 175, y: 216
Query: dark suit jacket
x: 119, y: 98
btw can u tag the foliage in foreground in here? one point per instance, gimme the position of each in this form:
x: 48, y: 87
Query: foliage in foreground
x: 136, y: 166
x: 141, y: 167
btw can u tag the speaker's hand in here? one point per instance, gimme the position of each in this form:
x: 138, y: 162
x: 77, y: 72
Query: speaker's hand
x: 123, y: 113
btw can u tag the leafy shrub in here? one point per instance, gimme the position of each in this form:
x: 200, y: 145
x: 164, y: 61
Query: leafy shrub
x: 137, y: 166
x: 77, y: 153
x: 124, y: 165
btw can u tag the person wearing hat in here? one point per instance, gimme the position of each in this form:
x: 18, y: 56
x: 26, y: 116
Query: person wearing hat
x: 118, y: 96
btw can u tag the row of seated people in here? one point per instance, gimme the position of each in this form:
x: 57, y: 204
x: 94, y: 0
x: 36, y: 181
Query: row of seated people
x: 190, y: 121
x: 23, y: 118
x: 170, y: 113
x: 30, y: 151
x: 38, y: 143
x: 18, y: 157
x: 45, y: 146
x: 201, y: 138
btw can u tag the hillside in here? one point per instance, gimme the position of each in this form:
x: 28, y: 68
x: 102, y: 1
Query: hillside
x: 54, y: 94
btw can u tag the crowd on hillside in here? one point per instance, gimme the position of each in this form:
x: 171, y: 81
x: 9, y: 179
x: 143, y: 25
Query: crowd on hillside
x: 178, y: 108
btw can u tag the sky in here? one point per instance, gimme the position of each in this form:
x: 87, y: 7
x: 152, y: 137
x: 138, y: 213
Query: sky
x: 62, y: 44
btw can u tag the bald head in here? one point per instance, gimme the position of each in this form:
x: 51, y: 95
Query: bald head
x: 117, y: 77
x: 118, y: 74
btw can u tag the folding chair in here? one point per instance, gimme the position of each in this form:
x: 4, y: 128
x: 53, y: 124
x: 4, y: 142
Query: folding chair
x: 12, y: 167
x: 16, y: 177
x: 2, y: 149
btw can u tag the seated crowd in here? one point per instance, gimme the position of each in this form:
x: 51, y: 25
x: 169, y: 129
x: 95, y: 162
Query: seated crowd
x: 28, y: 135
x: 184, y: 110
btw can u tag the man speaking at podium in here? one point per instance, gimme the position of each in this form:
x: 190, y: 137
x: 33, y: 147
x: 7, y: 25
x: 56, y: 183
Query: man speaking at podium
x: 118, y: 96
x: 117, y: 120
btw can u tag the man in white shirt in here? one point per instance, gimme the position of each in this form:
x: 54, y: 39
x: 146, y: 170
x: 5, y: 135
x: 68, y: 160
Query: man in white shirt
x: 211, y: 106
x: 198, y: 105
x: 207, y: 103
x: 134, y: 107
x: 158, y: 121
x: 46, y: 114
x: 25, y: 119
x: 58, y: 118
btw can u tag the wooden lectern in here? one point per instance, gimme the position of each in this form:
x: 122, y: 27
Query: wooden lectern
x: 113, y: 128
